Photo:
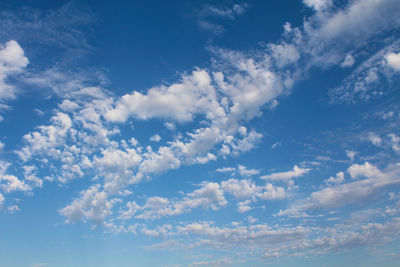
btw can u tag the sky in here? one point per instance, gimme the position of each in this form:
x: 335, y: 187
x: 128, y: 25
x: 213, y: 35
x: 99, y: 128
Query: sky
x: 199, y: 133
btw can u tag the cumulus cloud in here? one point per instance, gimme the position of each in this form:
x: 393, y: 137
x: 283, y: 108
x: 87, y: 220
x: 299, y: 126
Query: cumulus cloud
x: 365, y: 170
x: 12, y: 61
x: 155, y: 138
x: 179, y: 101
x: 10, y: 183
x: 92, y: 204
x: 338, y: 179
x: 393, y: 60
x: 285, y: 176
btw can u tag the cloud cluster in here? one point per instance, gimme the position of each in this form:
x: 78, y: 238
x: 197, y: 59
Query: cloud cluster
x: 86, y: 136
x: 12, y: 62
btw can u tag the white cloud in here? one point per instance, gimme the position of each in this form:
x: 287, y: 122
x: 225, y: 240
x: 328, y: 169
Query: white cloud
x: 338, y: 179
x: 179, y: 101
x: 92, y: 204
x: 356, y: 191
x: 244, y: 206
x: 117, y: 168
x: 228, y: 12
x: 348, y: 61
x: 243, y: 171
x: 318, y: 5
x: 218, y: 262
x: 155, y: 138
x: 240, y: 188
x: 271, y: 192
x: 350, y: 26
x: 12, y: 184
x: 226, y: 97
x: 241, y: 236
x: 68, y: 105
x: 208, y: 196
x: 275, y: 145
x: 393, y: 60
x: 170, y: 126
x: 285, y: 176
x: 351, y: 154
x: 365, y: 82
x: 365, y: 170
x: 71, y: 85
x: 247, y: 143
x: 204, y: 16
x: 394, y: 142
x: 30, y: 175
x: 48, y: 139
x: 2, y: 145
x: 12, y: 209
x: 374, y: 139
x: 284, y: 54
x: 1, y: 200
x: 12, y: 61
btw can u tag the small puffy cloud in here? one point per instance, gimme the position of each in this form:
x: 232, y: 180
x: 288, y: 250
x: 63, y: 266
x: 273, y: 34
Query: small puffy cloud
x: 393, y: 60
x: 348, y: 61
x: 2, y: 145
x: 351, y: 154
x: 285, y: 176
x: 244, y: 206
x: 1, y: 200
x: 210, y: 195
x: 170, y: 126
x: 365, y: 170
x: 271, y: 192
x: 374, y: 139
x: 338, y: 179
x: 240, y: 188
x: 155, y: 138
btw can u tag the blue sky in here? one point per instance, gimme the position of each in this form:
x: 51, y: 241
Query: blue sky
x: 199, y: 133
